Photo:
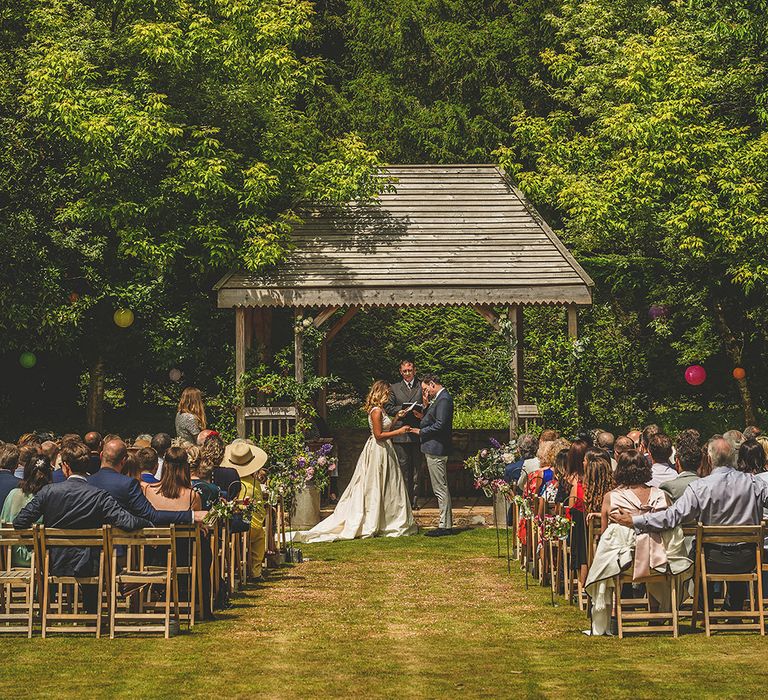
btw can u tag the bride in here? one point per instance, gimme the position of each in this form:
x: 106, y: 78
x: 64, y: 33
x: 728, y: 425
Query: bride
x: 376, y: 500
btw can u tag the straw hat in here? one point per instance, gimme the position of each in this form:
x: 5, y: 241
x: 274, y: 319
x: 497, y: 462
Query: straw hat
x: 246, y: 459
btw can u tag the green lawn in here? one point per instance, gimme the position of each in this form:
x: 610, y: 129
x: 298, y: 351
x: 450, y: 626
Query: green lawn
x: 409, y: 618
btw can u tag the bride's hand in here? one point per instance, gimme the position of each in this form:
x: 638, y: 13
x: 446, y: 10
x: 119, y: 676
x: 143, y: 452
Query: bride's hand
x: 405, y: 429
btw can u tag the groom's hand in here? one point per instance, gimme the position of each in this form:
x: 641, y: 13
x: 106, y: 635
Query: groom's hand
x: 415, y: 431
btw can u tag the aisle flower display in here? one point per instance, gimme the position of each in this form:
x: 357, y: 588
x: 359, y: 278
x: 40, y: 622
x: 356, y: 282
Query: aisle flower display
x: 487, y: 466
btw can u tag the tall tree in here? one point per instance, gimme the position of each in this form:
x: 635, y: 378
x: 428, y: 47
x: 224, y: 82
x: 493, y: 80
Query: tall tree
x: 147, y: 144
x: 655, y: 156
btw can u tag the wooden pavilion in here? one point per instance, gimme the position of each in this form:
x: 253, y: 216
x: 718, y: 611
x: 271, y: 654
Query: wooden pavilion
x: 458, y: 235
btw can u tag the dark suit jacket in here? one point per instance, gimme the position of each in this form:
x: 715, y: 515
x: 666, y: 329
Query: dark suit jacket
x: 398, y: 395
x: 127, y: 492
x: 75, y: 504
x: 228, y: 480
x: 437, y: 426
x: 8, y: 482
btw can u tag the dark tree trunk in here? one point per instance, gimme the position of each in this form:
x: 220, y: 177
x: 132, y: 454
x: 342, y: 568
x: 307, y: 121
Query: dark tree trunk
x: 94, y: 411
x: 734, y: 349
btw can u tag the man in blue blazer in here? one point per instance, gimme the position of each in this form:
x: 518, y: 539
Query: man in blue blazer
x: 436, y: 434
x: 127, y: 491
x: 75, y: 504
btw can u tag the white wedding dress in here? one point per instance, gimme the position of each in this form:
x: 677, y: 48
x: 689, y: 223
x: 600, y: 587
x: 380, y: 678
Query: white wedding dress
x: 374, y: 504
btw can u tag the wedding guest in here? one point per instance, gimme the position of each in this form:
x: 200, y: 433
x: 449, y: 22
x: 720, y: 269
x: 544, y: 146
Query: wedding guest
x: 190, y: 415
x: 527, y: 447
x: 247, y: 460
x: 226, y: 478
x: 50, y: 451
x: 539, y: 481
x: 131, y: 466
x: 575, y: 479
x: 142, y: 441
x: 75, y: 504
x: 36, y: 475
x: 645, y: 438
x: 9, y: 460
x: 687, y: 460
x: 619, y: 544
x: 606, y: 441
x: 201, y: 474
x: 93, y: 442
x: 160, y: 443
x: 660, y: 450
x: 735, y: 437
x: 752, y: 431
x: 147, y: 459
x: 725, y: 497
x: 598, y: 479
x: 635, y: 435
x: 751, y: 457
x: 27, y: 454
x: 203, y: 435
x: 622, y: 444
x: 174, y: 490
x: 128, y: 493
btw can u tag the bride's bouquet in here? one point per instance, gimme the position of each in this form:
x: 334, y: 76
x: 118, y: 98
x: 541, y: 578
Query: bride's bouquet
x: 487, y: 466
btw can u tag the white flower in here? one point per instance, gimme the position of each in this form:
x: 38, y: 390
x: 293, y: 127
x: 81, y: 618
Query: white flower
x: 321, y: 461
x: 307, y: 322
x: 508, y: 457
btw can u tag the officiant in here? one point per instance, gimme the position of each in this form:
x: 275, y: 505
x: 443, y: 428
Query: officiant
x: 403, y: 394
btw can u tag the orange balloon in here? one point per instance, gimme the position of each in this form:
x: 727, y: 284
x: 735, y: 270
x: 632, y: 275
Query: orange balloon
x: 739, y: 373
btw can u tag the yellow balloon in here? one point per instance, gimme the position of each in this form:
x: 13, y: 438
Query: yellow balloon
x: 123, y: 317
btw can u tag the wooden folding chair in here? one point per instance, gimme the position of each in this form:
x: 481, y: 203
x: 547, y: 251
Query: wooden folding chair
x: 145, y: 576
x: 69, y: 586
x: 17, y: 583
x: 730, y: 535
x: 188, y: 541
x: 669, y: 620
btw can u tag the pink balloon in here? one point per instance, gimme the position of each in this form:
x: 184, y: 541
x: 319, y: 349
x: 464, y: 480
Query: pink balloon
x: 695, y: 375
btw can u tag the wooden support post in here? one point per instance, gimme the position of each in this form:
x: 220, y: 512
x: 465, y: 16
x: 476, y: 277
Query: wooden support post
x: 298, y: 347
x: 322, y: 371
x: 515, y: 316
x: 573, y: 322
x: 240, y: 365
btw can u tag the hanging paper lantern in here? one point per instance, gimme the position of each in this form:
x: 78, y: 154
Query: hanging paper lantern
x: 739, y: 373
x: 695, y: 375
x: 657, y: 311
x: 123, y: 317
x: 27, y: 360
x: 175, y: 374
x: 74, y: 297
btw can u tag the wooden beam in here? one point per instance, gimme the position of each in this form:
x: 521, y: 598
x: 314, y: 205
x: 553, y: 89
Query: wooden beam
x: 298, y: 347
x: 324, y: 315
x: 573, y: 321
x: 240, y: 365
x: 343, y: 321
x: 488, y: 314
x: 322, y: 371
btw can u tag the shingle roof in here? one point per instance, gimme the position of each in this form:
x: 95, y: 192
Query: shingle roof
x: 447, y: 235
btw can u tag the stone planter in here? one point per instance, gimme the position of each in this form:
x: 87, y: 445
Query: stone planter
x: 306, y: 511
x: 500, y: 506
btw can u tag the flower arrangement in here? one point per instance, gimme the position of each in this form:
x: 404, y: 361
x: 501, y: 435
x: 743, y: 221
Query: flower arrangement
x: 294, y: 468
x: 525, y: 507
x: 226, y: 510
x: 553, y: 527
x: 487, y: 466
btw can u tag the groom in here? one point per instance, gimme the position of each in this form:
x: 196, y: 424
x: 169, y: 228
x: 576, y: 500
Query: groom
x: 435, y: 433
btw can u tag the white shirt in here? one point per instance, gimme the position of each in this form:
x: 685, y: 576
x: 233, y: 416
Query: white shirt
x: 159, y: 471
x: 438, y: 394
x: 532, y: 464
x: 661, y: 473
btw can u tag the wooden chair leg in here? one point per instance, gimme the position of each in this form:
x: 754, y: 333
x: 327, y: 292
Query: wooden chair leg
x: 705, y: 594
x: 673, y: 595
x: 617, y: 598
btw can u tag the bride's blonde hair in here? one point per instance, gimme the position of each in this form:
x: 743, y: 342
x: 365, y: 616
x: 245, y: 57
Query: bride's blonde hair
x: 377, y: 396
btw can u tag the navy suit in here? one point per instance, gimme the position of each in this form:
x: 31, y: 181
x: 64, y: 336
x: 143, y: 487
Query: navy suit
x: 75, y: 504
x: 127, y: 492
x: 8, y: 482
x: 437, y: 426
x: 436, y: 435
x: 228, y: 481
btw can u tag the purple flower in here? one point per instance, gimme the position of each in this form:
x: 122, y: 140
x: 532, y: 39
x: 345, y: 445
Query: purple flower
x: 495, y: 443
x: 326, y: 449
x: 302, y: 461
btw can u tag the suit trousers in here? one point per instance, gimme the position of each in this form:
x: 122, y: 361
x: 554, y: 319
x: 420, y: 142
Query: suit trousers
x: 409, y: 458
x: 438, y: 474
x: 730, y: 560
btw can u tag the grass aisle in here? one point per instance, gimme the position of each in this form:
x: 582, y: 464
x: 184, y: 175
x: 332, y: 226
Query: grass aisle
x: 409, y: 618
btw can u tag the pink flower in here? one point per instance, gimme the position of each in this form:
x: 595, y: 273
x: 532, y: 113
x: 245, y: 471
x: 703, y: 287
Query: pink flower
x: 310, y: 473
x: 321, y: 461
x: 483, y: 453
